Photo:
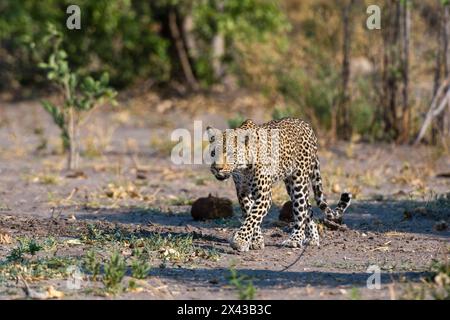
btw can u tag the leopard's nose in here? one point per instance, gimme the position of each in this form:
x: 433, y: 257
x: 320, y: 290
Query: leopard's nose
x: 217, y: 167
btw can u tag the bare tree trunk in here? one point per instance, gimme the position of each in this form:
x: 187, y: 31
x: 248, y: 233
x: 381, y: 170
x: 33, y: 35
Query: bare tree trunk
x: 443, y: 119
x: 182, y: 54
x: 437, y: 70
x: 344, y: 126
x: 72, y: 163
x: 218, y: 51
x: 406, y: 26
x: 445, y: 35
x: 333, y: 128
x: 390, y: 67
x: 191, y: 44
x: 440, y: 126
x: 436, y: 108
x: 396, y: 66
x: 71, y: 142
x: 218, y: 48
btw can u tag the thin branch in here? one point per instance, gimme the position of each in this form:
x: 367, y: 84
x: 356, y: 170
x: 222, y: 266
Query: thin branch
x: 435, y: 109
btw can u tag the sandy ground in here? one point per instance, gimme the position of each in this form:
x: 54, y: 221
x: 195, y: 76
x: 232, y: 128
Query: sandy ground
x: 130, y: 187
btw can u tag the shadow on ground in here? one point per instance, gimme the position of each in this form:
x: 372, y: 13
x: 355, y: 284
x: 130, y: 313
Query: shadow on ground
x: 376, y: 216
x: 285, y: 279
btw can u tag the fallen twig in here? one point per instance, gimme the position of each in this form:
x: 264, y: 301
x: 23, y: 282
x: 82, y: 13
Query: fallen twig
x: 333, y: 225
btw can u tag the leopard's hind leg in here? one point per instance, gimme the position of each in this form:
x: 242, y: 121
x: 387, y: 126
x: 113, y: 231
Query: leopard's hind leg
x: 305, y: 229
x: 311, y: 232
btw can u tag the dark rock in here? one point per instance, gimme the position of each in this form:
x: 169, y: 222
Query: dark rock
x: 286, y: 214
x: 211, y: 208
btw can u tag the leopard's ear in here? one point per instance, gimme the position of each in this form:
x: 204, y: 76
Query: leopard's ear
x: 248, y: 124
x: 212, y: 133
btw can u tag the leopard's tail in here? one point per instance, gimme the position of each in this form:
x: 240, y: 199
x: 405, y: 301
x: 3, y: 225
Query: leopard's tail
x: 335, y: 215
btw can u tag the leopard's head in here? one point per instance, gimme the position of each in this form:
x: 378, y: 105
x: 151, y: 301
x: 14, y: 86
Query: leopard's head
x: 229, y: 150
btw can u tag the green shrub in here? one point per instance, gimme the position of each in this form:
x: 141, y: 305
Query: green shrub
x: 120, y: 37
x: 81, y: 94
x: 236, y: 121
x: 244, y: 285
x: 114, y: 270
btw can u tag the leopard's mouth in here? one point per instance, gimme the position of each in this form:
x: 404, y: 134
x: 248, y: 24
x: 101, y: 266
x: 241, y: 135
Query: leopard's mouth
x: 222, y: 176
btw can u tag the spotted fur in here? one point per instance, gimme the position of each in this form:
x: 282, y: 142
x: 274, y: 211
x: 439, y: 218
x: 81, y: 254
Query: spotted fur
x: 256, y: 157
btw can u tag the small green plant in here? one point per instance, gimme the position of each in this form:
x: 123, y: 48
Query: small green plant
x: 91, y: 264
x: 438, y: 267
x: 139, y: 269
x: 114, y: 270
x: 44, y: 267
x: 16, y: 254
x: 440, y: 280
x: 81, y: 95
x: 26, y: 246
x: 355, y: 294
x: 132, y: 285
x: 33, y: 247
x: 243, y: 284
x: 436, y: 285
x: 180, y: 201
x: 49, y: 244
x: 93, y: 233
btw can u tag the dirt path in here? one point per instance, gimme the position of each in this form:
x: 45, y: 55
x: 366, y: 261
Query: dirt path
x: 133, y: 200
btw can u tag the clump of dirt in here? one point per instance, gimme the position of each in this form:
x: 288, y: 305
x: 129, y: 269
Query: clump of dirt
x: 441, y: 226
x: 211, y: 208
x: 286, y: 212
x: 410, y: 213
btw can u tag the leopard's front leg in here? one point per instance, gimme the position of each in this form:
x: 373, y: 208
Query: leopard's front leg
x: 249, y: 236
x: 245, y: 197
x: 244, y: 194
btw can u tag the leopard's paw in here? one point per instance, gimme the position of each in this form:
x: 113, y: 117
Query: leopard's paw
x: 312, y: 234
x: 312, y: 241
x: 292, y: 243
x: 238, y: 243
x: 257, y: 243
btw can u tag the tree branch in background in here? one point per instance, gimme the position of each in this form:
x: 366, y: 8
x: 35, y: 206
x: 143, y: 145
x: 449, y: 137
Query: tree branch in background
x: 188, y: 34
x: 181, y: 50
x: 440, y: 126
x: 444, y: 118
x: 218, y: 48
x: 341, y: 122
x: 406, y: 110
x: 435, y: 108
x: 391, y: 66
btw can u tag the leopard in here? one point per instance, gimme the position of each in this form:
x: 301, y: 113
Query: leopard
x: 258, y: 156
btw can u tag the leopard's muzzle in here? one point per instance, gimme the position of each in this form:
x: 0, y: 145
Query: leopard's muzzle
x: 220, y: 175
